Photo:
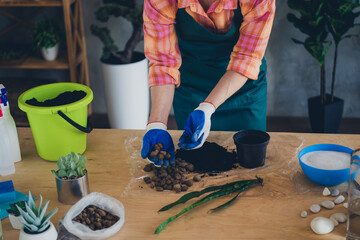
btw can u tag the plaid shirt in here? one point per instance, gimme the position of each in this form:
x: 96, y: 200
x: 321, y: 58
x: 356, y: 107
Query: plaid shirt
x: 161, y: 44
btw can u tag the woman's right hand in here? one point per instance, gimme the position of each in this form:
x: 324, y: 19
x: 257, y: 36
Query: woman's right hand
x: 156, y: 133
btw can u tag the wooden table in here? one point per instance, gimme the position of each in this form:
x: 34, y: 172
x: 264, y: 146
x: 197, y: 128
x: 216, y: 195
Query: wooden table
x: 115, y: 168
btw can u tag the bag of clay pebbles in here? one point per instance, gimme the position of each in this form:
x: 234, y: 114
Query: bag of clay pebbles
x: 95, y: 216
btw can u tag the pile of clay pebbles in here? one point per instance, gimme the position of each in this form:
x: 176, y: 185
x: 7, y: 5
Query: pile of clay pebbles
x: 173, y: 177
x: 96, y: 218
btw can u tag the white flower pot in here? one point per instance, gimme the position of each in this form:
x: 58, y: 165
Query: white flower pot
x: 50, y: 54
x: 49, y: 234
x: 15, y: 221
x: 126, y: 89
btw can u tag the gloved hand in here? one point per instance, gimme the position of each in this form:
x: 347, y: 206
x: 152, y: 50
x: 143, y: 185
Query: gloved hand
x: 156, y: 133
x: 197, y: 127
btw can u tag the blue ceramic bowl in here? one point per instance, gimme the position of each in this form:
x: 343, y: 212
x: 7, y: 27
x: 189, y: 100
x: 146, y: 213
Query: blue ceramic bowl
x: 322, y: 176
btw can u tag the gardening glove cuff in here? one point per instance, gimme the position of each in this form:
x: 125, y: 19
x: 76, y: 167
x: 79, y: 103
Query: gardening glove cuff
x: 197, y: 127
x: 156, y: 133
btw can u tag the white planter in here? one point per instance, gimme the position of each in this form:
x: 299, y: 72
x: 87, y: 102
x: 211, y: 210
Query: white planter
x: 50, y: 54
x: 126, y: 89
x: 15, y: 221
x: 49, y: 234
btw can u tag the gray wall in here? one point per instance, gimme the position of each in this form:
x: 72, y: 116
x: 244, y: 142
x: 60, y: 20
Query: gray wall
x: 293, y: 75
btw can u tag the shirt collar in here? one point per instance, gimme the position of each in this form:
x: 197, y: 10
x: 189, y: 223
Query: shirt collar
x: 218, y: 5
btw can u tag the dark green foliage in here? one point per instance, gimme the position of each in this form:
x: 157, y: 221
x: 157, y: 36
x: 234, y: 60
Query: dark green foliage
x: 14, y: 210
x: 312, y: 23
x: 340, y: 17
x: 127, y: 9
x: 46, y: 34
x: 195, y: 194
x: 221, y: 191
x: 11, y: 53
x: 317, y: 19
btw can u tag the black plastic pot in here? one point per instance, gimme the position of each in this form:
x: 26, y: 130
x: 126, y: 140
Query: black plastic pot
x: 251, y: 147
x: 325, y: 118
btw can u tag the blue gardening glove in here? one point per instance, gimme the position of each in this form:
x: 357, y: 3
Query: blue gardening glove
x: 156, y: 133
x: 197, y: 127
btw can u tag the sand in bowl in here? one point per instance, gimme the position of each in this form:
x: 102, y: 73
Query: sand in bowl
x: 327, y: 160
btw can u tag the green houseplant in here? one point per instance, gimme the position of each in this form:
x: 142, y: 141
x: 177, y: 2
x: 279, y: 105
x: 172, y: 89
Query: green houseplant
x: 71, y: 178
x: 47, y: 36
x: 317, y: 19
x: 125, y: 72
x: 37, y: 225
x: 14, y: 214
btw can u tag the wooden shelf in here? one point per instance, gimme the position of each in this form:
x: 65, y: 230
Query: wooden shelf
x: 32, y: 3
x: 37, y: 62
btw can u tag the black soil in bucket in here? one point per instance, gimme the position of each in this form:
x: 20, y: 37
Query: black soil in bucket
x: 211, y: 157
x: 251, y: 147
x: 62, y: 99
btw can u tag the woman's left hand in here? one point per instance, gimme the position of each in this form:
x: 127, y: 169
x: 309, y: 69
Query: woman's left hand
x: 197, y: 127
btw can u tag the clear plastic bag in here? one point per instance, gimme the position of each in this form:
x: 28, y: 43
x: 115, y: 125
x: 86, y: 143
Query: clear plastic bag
x: 102, y: 201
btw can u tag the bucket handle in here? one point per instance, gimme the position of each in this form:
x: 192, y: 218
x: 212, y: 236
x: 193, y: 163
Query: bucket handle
x: 87, y: 129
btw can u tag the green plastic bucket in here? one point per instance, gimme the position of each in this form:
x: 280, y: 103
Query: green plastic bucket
x: 61, y: 129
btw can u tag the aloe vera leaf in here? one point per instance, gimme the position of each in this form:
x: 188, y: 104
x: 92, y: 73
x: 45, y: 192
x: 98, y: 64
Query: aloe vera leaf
x: 222, y: 192
x: 195, y: 194
x: 233, y: 199
x: 213, y: 195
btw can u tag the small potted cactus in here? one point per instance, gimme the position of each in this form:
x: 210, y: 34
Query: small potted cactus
x: 37, y: 225
x: 14, y: 214
x: 71, y: 178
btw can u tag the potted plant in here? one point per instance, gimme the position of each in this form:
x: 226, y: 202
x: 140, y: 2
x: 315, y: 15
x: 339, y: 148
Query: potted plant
x: 317, y: 19
x: 71, y: 178
x: 47, y: 36
x: 37, y: 225
x: 125, y: 73
x: 14, y: 214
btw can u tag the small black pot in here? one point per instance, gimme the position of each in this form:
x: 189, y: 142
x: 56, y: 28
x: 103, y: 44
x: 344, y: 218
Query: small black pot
x: 325, y: 118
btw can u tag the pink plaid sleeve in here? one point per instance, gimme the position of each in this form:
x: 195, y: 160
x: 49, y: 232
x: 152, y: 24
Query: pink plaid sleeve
x: 255, y: 31
x: 160, y: 42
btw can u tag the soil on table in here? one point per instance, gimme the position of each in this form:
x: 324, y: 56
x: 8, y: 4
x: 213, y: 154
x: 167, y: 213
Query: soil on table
x: 96, y: 218
x: 211, y: 157
x: 62, y: 99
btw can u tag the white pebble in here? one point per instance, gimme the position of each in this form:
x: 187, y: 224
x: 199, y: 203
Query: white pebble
x: 346, y: 205
x: 335, y: 192
x: 340, y: 217
x: 303, y: 214
x: 326, y: 192
x: 339, y: 199
x: 334, y: 221
x: 321, y: 225
x: 315, y: 208
x: 328, y: 204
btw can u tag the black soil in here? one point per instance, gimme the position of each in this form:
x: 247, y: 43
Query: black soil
x: 211, y: 157
x: 62, y: 99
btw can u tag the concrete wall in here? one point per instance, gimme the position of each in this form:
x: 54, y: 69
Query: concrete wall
x: 293, y: 75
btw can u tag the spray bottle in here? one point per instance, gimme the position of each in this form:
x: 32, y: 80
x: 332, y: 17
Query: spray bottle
x: 9, y: 142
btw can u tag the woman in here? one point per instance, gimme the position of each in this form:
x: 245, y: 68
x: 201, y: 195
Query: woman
x: 205, y: 55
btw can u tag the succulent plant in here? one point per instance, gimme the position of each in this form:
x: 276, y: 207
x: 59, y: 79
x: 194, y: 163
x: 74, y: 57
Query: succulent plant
x: 35, y: 220
x: 70, y: 166
x: 13, y: 208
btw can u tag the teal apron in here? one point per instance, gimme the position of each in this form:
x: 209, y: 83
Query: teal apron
x: 205, y: 57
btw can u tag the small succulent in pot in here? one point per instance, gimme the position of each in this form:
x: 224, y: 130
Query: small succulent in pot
x: 70, y: 166
x: 71, y: 178
x: 37, y: 225
x: 14, y: 214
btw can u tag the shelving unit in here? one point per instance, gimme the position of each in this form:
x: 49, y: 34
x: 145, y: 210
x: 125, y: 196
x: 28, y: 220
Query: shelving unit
x: 74, y: 59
